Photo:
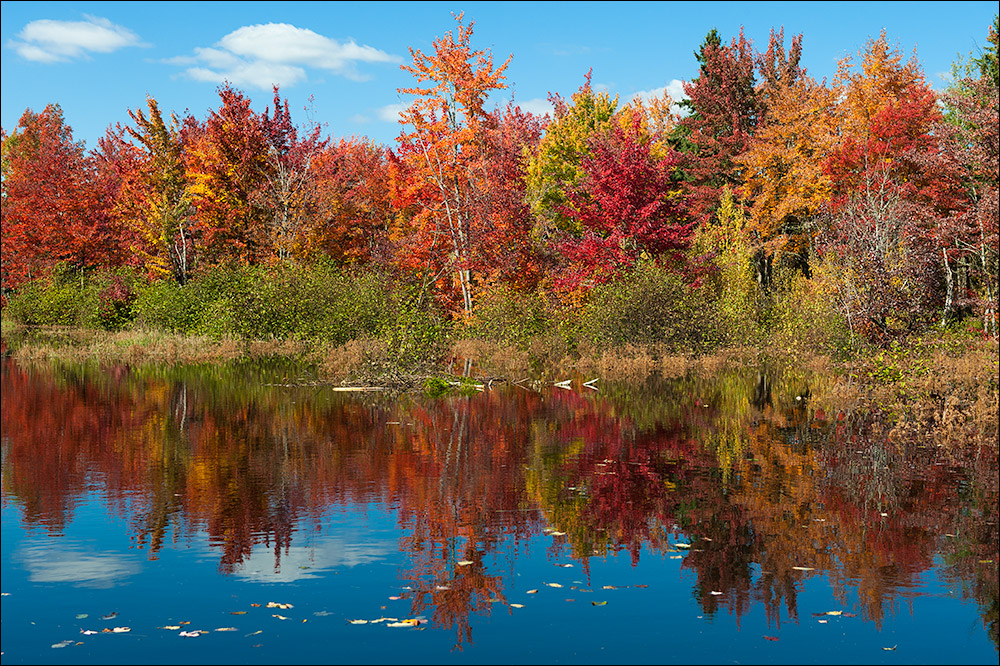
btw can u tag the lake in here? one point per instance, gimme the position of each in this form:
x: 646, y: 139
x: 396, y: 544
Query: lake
x: 238, y: 514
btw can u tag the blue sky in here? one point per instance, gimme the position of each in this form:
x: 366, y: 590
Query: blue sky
x: 98, y: 59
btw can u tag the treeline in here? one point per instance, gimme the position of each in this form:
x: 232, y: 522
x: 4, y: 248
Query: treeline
x: 864, y: 208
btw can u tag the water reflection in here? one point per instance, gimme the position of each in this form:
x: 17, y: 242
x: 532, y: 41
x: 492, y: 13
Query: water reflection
x: 763, y: 487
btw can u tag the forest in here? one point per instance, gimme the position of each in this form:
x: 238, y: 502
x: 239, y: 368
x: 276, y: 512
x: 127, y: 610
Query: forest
x: 836, y: 215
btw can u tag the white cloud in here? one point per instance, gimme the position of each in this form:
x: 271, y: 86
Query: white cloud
x: 77, y: 564
x: 539, y: 106
x: 277, y: 53
x: 390, y: 112
x: 675, y: 89
x: 49, y: 41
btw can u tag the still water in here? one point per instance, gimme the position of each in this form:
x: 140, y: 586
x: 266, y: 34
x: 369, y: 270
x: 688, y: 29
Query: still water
x: 153, y: 515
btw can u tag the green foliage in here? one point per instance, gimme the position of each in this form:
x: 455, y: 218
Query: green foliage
x: 739, y: 304
x: 510, y: 317
x: 418, y: 334
x: 805, y: 313
x: 652, y: 305
x: 64, y: 297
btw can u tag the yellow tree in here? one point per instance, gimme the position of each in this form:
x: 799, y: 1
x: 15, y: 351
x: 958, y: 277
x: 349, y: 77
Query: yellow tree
x: 442, y: 153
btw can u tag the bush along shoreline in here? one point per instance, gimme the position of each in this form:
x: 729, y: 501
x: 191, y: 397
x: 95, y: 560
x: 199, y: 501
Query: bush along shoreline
x: 367, y: 327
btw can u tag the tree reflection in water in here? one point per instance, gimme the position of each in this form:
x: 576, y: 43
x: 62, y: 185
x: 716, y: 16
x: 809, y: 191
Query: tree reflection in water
x: 768, y: 488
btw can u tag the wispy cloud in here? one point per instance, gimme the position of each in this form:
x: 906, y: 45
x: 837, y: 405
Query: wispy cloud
x: 49, y: 41
x: 277, y: 53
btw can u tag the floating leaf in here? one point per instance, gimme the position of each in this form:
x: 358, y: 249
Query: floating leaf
x: 889, y: 648
x: 411, y: 622
x: 803, y: 568
x: 822, y: 621
x: 237, y: 612
x: 121, y: 630
x: 770, y: 638
x: 82, y: 616
x: 226, y: 629
x: 677, y: 557
x: 682, y: 545
x: 275, y: 604
x: 358, y: 621
x: 322, y: 613
x: 185, y: 622
x: 555, y: 533
x: 190, y: 634
x: 395, y: 598
x: 88, y: 632
x: 715, y: 593
x: 598, y: 603
x: 441, y: 588
x: 465, y: 563
x: 641, y: 587
x: 109, y: 616
x: 255, y: 605
x: 517, y: 605
x: 532, y: 592
x: 259, y: 631
x: 172, y: 627
x: 609, y: 587
x: 553, y: 584
x: 62, y: 644
x: 280, y: 617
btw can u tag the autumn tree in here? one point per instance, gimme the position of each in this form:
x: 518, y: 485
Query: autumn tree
x: 627, y: 206
x: 724, y: 111
x: 783, y: 167
x: 288, y: 192
x: 52, y: 210
x: 442, y: 151
x: 555, y: 165
x: 226, y: 162
x: 885, y: 113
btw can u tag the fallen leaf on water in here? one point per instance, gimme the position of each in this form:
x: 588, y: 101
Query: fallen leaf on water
x: 121, y: 630
x: 280, y: 617
x: 237, y: 612
x: 682, y: 545
x: 641, y: 586
x: 557, y: 534
x: 82, y: 616
x: 226, y: 629
x: 889, y: 648
x: 532, y: 592
x: 404, y: 623
x: 609, y: 587
x: 441, y: 588
x: 275, y: 604
x: 172, y: 627
x: 185, y: 622
x: 553, y: 584
x: 677, y: 557
x: 822, y: 621
x: 109, y: 616
x: 385, y: 619
x: 715, y: 593
x: 190, y: 634
x: 88, y: 632
x: 304, y: 620
x: 62, y: 644
x: 565, y: 566
x: 255, y: 605
x: 358, y: 621
x: 598, y: 603
x: 395, y: 598
x: 322, y: 613
x: 803, y: 568
x: 986, y: 561
x: 465, y: 563
x: 846, y: 614
x: 517, y: 605
x: 770, y: 638
x: 259, y: 631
